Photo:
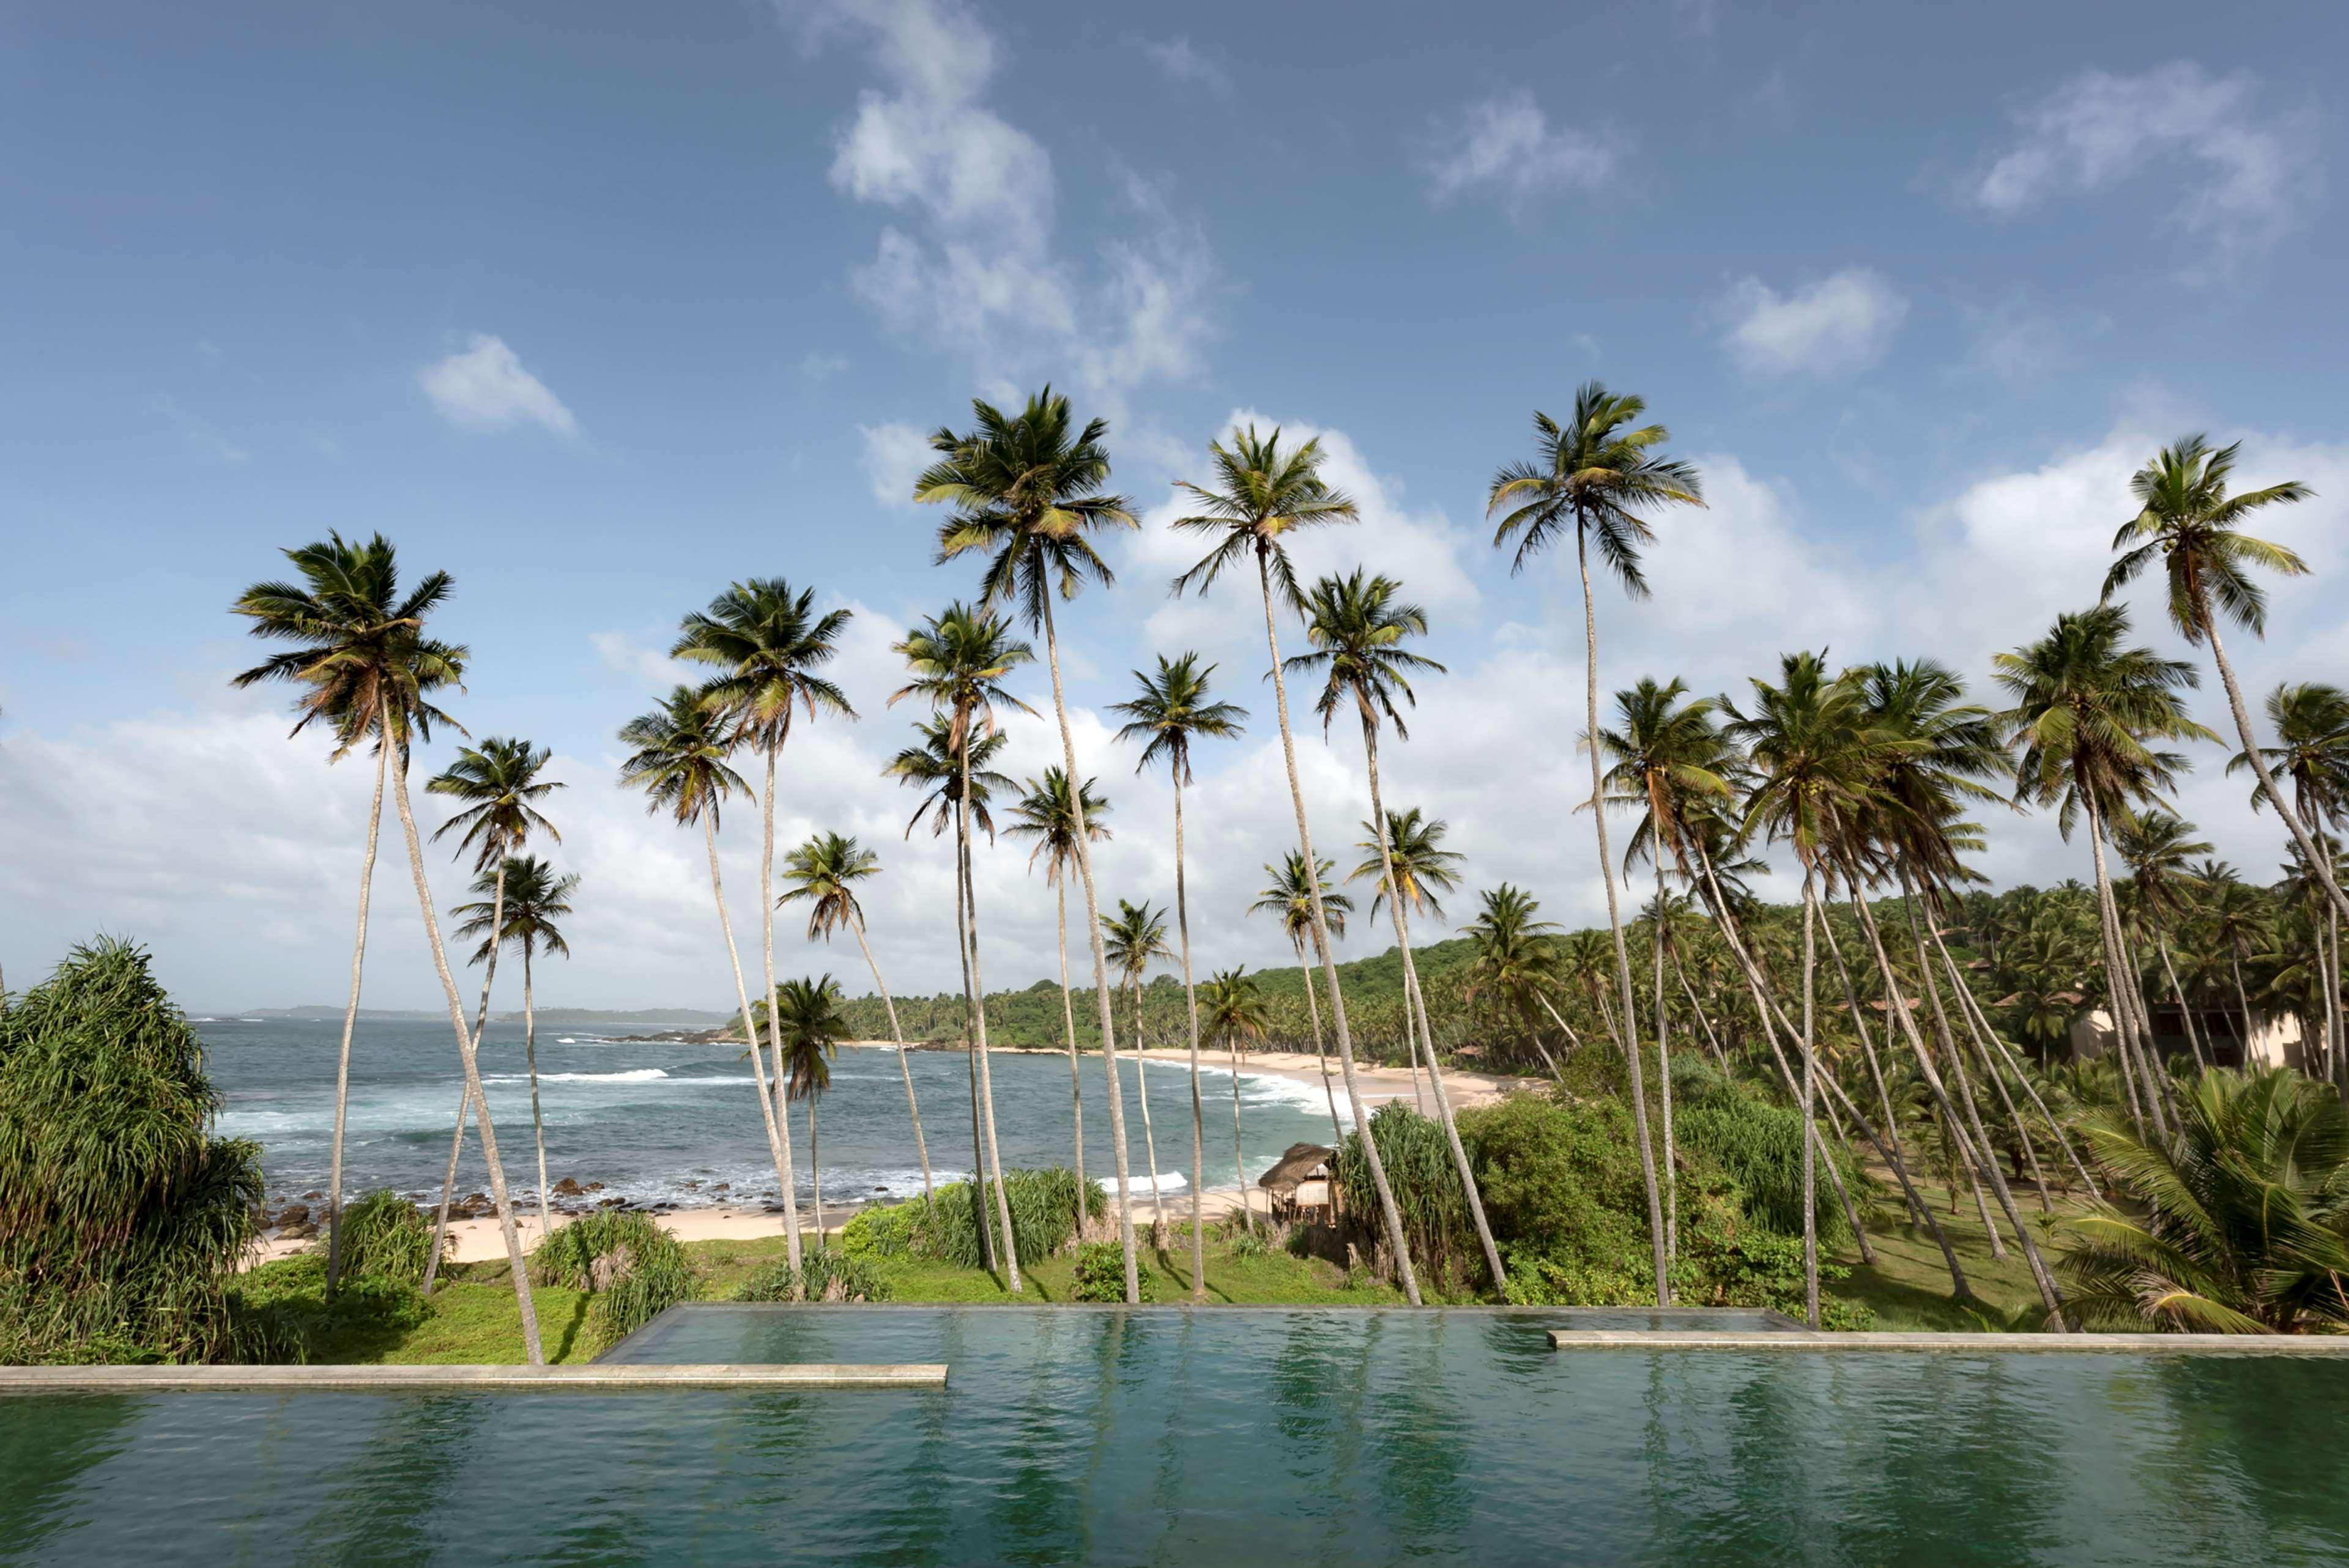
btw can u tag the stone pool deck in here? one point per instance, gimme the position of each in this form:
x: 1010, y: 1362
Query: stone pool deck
x: 384, y: 1379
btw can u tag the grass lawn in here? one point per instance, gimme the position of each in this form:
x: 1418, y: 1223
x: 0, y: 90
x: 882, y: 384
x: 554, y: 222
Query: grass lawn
x: 1909, y: 1288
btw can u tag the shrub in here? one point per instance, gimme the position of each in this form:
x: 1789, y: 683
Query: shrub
x: 945, y: 1229
x: 385, y: 1236
x: 1100, y: 1274
x: 635, y: 1269
x: 121, y: 1218
x: 831, y: 1274
x: 1417, y: 1158
x: 1759, y: 1146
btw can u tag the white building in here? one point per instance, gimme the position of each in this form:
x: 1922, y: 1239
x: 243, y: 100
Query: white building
x: 2275, y: 1041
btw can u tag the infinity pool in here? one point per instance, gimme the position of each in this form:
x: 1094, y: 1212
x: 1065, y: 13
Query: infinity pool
x: 1224, y: 1438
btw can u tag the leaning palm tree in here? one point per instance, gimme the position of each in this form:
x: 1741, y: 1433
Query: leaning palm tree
x: 1028, y: 490
x: 2157, y: 847
x: 1594, y: 477
x: 500, y: 780
x: 678, y: 757
x: 769, y: 648
x: 365, y: 665
x: 1289, y: 895
x: 2187, y: 521
x: 958, y: 661
x: 807, y: 1012
x: 824, y: 873
x: 373, y: 680
x: 1235, y: 1009
x: 1172, y: 710
x: 1401, y: 848
x: 1669, y: 759
x: 1133, y: 939
x: 534, y: 900
x: 1048, y: 816
x: 2311, y: 720
x: 1266, y: 494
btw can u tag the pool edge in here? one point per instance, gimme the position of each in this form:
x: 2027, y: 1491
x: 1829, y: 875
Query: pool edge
x: 1807, y: 1342
x: 592, y: 1375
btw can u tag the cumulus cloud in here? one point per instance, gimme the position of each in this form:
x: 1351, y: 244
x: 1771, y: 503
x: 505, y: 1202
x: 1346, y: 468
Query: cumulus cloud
x: 1505, y: 145
x: 895, y: 455
x: 1834, y: 326
x: 1185, y: 64
x: 483, y: 387
x: 2241, y: 174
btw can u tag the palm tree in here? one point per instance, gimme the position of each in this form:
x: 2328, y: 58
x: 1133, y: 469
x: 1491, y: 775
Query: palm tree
x: 769, y: 647
x: 368, y: 677
x: 2086, y: 706
x: 1516, y: 961
x: 1134, y: 939
x: 824, y: 872
x: 2155, y: 846
x: 1050, y: 818
x: 807, y: 1012
x: 958, y: 661
x: 534, y: 899
x: 365, y: 665
x: 2312, y: 724
x: 2186, y: 520
x: 1235, y: 1009
x: 1289, y: 895
x: 1265, y: 495
x: 1172, y: 709
x: 500, y: 781
x: 679, y: 757
x: 1670, y: 760
x: 1594, y: 477
x: 1028, y: 493
x: 2240, y: 921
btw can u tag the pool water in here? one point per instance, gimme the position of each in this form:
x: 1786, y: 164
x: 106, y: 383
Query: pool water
x: 1225, y: 1438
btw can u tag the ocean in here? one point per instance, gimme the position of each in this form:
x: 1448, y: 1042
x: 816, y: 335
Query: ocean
x: 662, y: 1122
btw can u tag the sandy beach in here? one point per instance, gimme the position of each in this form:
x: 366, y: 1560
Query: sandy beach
x: 481, y: 1241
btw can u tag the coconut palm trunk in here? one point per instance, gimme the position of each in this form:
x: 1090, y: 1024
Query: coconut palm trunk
x: 1631, y: 1035
x: 904, y: 1069
x: 467, y: 1051
x: 1069, y: 1034
x: 742, y: 996
x: 971, y: 1005
x: 816, y: 1170
x: 978, y: 1004
x: 1149, y: 1137
x: 1413, y: 1000
x: 1664, y: 1073
x: 1867, y: 1043
x: 2120, y: 979
x: 1100, y: 958
x: 2015, y: 1067
x: 2185, y: 1010
x: 1949, y: 1045
x: 1191, y: 1011
x: 1711, y: 1040
x: 2318, y: 865
x: 350, y: 1021
x: 1320, y: 1050
x: 1390, y: 1215
x: 1810, y: 1097
x: 465, y: 1093
x: 537, y: 1120
x: 774, y: 1022
x: 1240, y: 1161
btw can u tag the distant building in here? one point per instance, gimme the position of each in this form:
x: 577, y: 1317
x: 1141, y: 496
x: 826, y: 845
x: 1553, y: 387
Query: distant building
x: 2276, y: 1040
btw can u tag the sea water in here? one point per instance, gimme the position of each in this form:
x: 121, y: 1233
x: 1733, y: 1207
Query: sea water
x: 658, y: 1121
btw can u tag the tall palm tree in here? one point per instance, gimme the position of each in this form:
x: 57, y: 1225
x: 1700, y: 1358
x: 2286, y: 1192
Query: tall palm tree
x: 500, y: 780
x: 1235, y: 1009
x: 374, y: 679
x: 2155, y: 847
x: 958, y: 661
x: 1050, y: 818
x: 1669, y: 758
x: 365, y: 664
x: 2187, y: 521
x: 534, y: 899
x: 1515, y: 960
x: 769, y: 648
x: 1028, y: 490
x: 1289, y: 895
x: 824, y: 873
x: 1173, y: 709
x: 680, y: 757
x: 807, y: 1012
x: 2311, y: 720
x: 1133, y: 939
x: 1593, y: 477
x: 1266, y: 494
x: 2087, y: 710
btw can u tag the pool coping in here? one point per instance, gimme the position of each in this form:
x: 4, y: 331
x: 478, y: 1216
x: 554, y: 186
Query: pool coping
x: 592, y: 1375
x: 1810, y: 1344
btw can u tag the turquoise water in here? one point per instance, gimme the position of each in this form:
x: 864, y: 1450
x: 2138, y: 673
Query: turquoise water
x: 1228, y: 1437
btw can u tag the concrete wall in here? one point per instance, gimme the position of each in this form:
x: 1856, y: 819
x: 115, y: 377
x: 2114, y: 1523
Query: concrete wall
x: 2275, y: 1039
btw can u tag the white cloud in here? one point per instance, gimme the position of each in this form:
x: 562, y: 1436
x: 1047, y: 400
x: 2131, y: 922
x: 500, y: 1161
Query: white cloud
x: 2242, y: 176
x: 1836, y: 326
x: 1506, y: 144
x: 483, y: 387
x: 1186, y: 66
x: 895, y: 455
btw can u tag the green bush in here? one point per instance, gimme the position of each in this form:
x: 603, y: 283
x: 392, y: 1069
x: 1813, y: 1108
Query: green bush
x: 858, y: 1276
x: 1100, y: 1274
x: 1759, y: 1146
x: 635, y: 1269
x: 385, y: 1236
x: 945, y: 1229
x: 121, y: 1219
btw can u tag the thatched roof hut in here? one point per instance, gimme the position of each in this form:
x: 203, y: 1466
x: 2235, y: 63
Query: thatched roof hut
x: 1304, y: 1162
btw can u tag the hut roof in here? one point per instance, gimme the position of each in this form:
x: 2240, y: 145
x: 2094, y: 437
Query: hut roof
x: 1303, y: 1161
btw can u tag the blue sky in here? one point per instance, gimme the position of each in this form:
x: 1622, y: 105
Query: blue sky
x: 599, y: 307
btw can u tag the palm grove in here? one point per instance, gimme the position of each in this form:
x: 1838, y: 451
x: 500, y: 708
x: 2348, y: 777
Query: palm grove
x: 1902, y: 1022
